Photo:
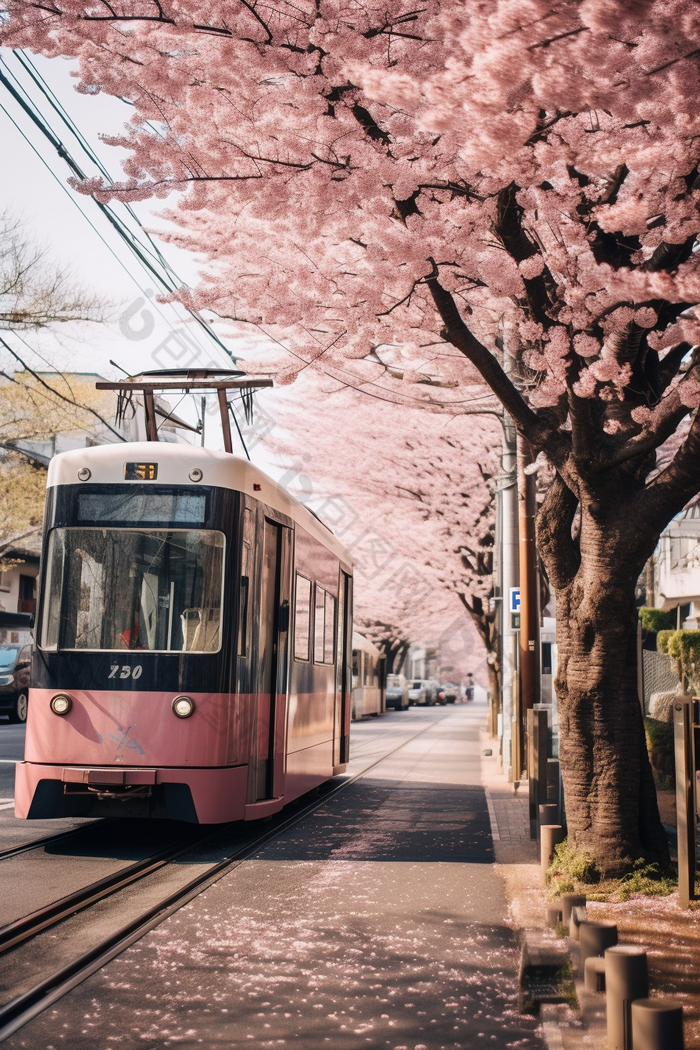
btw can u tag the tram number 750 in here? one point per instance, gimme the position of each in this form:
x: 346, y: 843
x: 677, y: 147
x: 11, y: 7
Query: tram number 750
x: 125, y: 671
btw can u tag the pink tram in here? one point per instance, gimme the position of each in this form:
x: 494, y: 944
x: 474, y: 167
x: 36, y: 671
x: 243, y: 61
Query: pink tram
x: 193, y: 641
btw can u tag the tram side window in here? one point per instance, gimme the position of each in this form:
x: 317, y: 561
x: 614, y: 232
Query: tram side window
x: 246, y: 574
x: 246, y: 557
x: 111, y: 589
x: 302, y: 618
x: 329, y: 629
x: 319, y: 624
x: 324, y: 634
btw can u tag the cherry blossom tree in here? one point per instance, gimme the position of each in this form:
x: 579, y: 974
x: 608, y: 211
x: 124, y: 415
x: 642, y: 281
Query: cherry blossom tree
x: 423, y: 485
x: 412, y: 182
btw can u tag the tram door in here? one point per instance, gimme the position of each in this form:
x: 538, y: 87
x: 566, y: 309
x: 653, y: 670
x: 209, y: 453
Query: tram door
x: 274, y: 657
x: 341, y: 733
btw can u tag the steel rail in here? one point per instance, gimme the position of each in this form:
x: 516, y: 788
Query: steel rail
x: 28, y: 926
x: 19, y: 1011
x: 47, y: 840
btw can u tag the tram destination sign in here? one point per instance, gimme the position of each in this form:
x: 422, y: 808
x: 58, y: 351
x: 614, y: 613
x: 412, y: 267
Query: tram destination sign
x: 140, y: 471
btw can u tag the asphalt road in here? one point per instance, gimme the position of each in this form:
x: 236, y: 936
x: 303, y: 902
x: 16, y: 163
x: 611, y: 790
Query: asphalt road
x: 377, y: 921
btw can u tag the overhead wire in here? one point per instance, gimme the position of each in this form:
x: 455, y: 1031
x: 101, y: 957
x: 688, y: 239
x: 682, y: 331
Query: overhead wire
x: 150, y: 257
x: 76, y: 204
x: 163, y: 274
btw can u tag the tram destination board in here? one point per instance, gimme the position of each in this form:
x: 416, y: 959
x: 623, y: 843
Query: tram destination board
x: 140, y: 471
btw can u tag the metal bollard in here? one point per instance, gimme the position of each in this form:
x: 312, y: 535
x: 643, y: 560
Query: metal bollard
x: 569, y: 901
x: 554, y: 915
x: 594, y: 937
x: 657, y: 1024
x: 549, y: 814
x: 550, y: 836
x: 626, y: 979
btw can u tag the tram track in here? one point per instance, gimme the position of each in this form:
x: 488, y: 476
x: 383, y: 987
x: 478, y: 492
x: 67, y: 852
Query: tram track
x: 24, y: 1007
x: 48, y: 840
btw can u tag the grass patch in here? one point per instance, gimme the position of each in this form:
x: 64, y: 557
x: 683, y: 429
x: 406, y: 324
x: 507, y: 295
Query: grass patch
x: 575, y: 871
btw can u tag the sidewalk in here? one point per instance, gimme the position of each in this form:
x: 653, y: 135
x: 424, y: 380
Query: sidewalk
x: 378, y: 921
x: 671, y: 936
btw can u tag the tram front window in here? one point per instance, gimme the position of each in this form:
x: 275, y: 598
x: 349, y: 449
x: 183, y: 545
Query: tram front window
x: 145, y: 589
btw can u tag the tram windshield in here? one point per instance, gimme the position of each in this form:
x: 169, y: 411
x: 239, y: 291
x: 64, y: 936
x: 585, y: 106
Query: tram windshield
x: 146, y: 589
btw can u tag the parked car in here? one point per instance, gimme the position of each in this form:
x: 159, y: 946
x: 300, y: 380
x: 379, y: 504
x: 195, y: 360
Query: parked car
x: 448, y: 693
x: 418, y: 691
x: 15, y: 665
x: 434, y: 691
x: 397, y: 692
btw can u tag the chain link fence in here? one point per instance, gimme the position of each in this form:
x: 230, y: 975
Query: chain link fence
x: 659, y: 675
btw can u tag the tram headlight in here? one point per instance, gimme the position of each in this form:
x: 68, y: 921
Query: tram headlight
x: 183, y: 707
x: 61, y: 704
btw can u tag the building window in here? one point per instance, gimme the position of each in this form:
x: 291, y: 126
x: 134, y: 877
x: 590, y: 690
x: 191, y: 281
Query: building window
x: 4, y: 581
x: 302, y: 618
x: 26, y: 602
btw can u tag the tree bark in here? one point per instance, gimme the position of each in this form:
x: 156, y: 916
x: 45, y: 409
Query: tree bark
x: 611, y: 804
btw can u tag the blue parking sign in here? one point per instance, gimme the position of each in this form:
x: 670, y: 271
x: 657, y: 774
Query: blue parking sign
x: 515, y: 599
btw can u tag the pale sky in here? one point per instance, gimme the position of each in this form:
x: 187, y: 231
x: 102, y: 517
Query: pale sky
x: 33, y: 186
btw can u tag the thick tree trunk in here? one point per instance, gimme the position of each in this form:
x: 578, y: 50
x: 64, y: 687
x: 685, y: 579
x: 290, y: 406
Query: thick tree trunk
x: 611, y: 805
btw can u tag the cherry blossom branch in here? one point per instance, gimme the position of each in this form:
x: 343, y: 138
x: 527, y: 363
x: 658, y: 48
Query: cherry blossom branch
x: 661, y: 423
x: 669, y: 491
x: 456, y: 332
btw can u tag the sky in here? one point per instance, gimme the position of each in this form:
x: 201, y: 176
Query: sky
x: 140, y: 333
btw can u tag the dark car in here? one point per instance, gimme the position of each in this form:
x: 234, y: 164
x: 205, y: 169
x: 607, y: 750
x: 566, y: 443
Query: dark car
x: 15, y: 665
x: 397, y: 692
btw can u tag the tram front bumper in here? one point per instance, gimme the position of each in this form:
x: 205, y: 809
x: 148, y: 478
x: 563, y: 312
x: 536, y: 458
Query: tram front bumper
x: 202, y: 796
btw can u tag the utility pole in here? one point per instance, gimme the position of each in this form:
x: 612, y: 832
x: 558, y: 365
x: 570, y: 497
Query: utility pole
x: 508, y: 494
x: 529, y: 648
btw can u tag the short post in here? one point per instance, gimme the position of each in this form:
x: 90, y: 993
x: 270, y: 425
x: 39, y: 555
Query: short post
x: 626, y: 979
x: 550, y: 836
x: 594, y: 937
x: 684, y: 746
x: 537, y: 745
x: 553, y: 782
x: 553, y: 913
x: 578, y: 917
x: 657, y: 1024
x: 569, y: 901
x: 549, y: 814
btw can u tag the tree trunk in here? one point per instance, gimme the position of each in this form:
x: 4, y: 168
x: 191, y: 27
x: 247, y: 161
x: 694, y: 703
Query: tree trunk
x: 611, y: 804
x: 494, y: 673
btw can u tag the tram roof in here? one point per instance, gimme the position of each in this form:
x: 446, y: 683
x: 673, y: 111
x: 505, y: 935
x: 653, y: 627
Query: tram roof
x: 175, y: 461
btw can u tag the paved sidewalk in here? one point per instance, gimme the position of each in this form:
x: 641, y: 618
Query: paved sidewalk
x: 671, y: 936
x: 378, y: 921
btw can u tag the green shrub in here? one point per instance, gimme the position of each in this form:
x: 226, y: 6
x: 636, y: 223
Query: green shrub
x: 570, y: 868
x: 684, y: 648
x: 575, y: 871
x: 661, y: 752
x: 656, y: 619
x: 648, y: 879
